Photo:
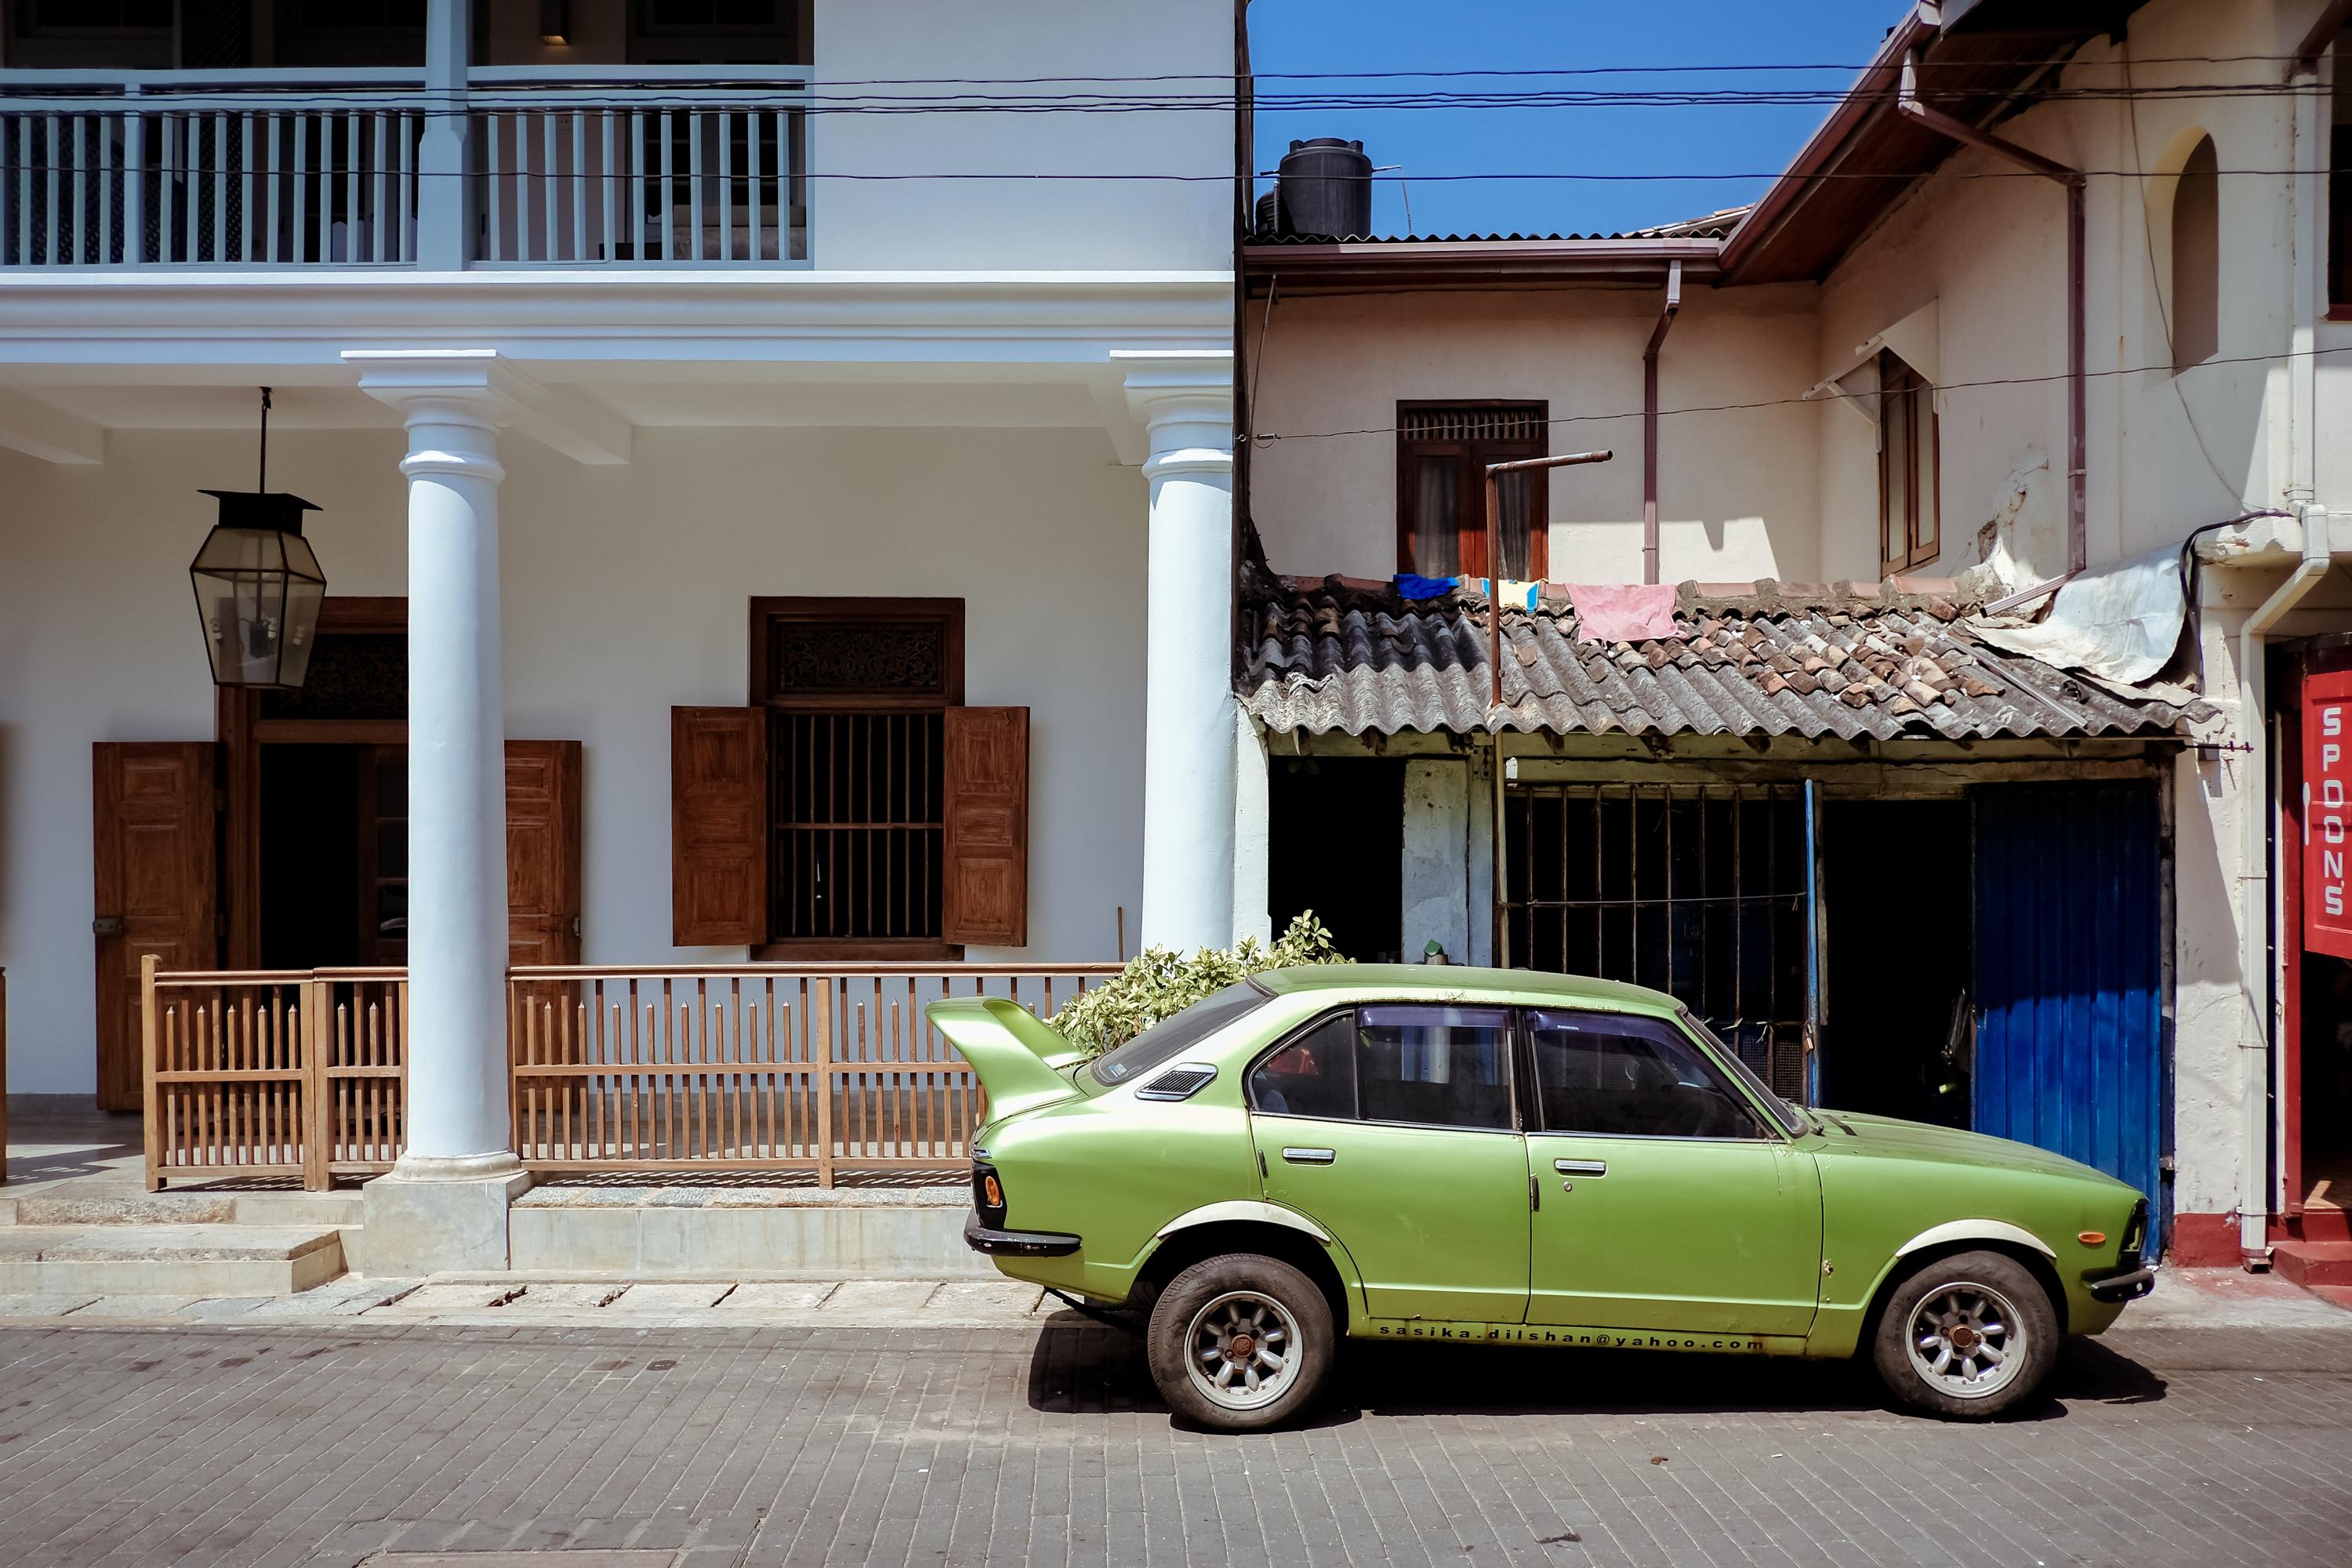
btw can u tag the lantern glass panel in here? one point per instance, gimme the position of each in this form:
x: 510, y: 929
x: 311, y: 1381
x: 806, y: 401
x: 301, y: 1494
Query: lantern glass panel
x: 259, y: 590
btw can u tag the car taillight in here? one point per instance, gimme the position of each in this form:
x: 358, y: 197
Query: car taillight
x: 2135, y: 1235
x: 988, y: 1195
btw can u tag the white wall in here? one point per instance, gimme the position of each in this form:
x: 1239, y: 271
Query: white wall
x: 1735, y: 489
x: 1002, y: 223
x: 625, y: 592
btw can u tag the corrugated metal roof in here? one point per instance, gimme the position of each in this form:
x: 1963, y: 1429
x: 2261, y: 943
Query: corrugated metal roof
x: 1340, y: 655
x: 1711, y: 228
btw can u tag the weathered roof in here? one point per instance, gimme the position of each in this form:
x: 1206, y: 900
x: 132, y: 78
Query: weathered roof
x: 1347, y: 655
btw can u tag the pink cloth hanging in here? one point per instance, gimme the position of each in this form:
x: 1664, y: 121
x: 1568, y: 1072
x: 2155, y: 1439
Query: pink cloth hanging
x: 1622, y: 612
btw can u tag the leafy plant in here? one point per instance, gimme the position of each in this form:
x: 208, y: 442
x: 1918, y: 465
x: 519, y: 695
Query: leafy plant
x: 1159, y: 982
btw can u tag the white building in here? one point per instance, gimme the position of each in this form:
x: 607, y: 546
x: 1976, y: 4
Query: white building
x: 1868, y: 377
x: 815, y: 456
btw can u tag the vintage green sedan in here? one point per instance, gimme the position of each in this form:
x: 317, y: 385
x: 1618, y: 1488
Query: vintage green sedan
x: 1498, y: 1156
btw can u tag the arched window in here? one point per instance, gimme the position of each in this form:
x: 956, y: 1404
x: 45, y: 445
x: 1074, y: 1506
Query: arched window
x: 2196, y: 259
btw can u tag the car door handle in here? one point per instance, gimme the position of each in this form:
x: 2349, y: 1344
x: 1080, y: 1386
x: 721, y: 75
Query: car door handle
x: 1309, y: 1156
x: 1581, y: 1167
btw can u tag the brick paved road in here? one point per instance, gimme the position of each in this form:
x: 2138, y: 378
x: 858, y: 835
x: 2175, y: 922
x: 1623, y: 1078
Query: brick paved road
x: 1045, y: 1446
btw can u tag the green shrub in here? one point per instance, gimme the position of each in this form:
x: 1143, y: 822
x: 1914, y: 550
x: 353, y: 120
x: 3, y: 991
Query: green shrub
x: 1157, y: 984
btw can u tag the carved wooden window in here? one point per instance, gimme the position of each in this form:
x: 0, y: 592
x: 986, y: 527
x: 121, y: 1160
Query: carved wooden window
x: 1908, y: 507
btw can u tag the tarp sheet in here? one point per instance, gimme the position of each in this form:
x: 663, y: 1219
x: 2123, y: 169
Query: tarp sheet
x: 2120, y: 622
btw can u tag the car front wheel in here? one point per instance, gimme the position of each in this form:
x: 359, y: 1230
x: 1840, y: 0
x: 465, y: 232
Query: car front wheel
x: 1240, y: 1342
x: 1965, y: 1336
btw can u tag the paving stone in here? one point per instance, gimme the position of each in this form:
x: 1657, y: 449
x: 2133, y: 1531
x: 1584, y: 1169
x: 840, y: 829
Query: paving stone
x: 769, y: 1298
x: 563, y: 1297
x: 217, y: 1309
x: 138, y: 1306
x: 43, y: 1304
x: 982, y: 1300
x: 448, y: 1295
x: 882, y: 1302
x: 344, y: 1298
x: 667, y: 1299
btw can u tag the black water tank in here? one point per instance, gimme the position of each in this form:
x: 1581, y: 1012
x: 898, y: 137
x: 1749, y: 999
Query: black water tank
x: 1325, y: 188
x: 1265, y: 216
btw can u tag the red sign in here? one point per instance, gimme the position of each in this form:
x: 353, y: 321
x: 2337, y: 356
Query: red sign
x: 2327, y: 812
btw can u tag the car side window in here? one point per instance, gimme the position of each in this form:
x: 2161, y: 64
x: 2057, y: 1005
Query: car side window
x: 1435, y: 1067
x: 1631, y: 1076
x: 1315, y: 1075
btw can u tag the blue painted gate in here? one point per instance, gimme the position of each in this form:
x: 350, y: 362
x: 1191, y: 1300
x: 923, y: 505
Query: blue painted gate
x: 2068, y: 944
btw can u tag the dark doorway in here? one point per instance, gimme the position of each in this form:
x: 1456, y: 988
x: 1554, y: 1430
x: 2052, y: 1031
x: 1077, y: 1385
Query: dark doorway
x: 1335, y: 844
x: 2326, y: 1109
x: 334, y: 856
x: 1895, y: 959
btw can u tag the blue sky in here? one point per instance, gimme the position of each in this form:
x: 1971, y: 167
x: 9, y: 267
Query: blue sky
x: 1353, y: 36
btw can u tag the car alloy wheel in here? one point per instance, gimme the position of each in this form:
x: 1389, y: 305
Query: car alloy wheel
x: 1966, y: 1340
x: 1242, y: 1350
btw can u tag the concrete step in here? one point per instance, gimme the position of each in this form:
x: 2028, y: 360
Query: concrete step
x: 2321, y: 1222
x: 168, y: 1259
x: 915, y: 1233
x: 2312, y: 1263
x: 313, y: 1209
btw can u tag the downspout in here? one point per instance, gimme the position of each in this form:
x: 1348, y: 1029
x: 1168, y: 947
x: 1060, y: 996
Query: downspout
x: 1650, y: 422
x: 2254, y: 876
x: 2077, y: 383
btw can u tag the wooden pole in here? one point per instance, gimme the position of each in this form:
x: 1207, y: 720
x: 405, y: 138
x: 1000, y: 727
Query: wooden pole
x: 152, y: 1099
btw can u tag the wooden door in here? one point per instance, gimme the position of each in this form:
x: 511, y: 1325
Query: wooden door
x: 155, y: 888
x: 988, y: 826
x: 543, y: 852
x: 718, y: 827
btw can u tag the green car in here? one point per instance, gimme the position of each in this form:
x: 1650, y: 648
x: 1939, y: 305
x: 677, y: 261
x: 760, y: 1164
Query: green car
x: 1395, y: 1151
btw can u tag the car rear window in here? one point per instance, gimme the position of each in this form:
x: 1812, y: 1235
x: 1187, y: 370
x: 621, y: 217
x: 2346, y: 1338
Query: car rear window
x: 1172, y: 1036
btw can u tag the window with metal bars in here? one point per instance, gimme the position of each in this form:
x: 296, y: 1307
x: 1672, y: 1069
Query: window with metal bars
x: 1443, y: 450
x: 857, y: 692
x: 1699, y: 890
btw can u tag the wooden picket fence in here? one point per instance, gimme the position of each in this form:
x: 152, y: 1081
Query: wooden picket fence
x: 726, y: 1068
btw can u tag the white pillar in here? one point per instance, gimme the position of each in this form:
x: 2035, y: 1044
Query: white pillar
x: 443, y: 1206
x: 1185, y: 401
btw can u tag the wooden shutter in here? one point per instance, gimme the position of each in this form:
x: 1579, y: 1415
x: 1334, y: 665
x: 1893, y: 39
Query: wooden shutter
x: 155, y: 888
x: 718, y: 826
x: 988, y: 827
x: 544, y: 851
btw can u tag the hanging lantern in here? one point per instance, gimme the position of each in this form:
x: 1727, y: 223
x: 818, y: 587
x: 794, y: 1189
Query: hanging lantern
x: 259, y: 585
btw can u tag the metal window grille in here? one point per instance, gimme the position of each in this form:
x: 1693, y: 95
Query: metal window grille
x: 1699, y: 890
x: 1508, y: 422
x: 859, y: 826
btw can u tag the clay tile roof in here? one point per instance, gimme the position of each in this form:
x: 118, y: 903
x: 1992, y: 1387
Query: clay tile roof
x: 1892, y: 661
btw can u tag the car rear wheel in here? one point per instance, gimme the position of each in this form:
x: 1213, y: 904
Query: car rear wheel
x: 1240, y: 1342
x: 1965, y: 1336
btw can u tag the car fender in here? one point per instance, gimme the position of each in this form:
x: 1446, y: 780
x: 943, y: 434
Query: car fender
x: 1233, y: 1209
x: 1976, y: 1230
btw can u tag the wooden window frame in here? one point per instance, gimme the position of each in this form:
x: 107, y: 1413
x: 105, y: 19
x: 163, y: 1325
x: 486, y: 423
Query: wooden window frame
x: 767, y: 613
x: 1897, y: 379
x: 1471, y: 526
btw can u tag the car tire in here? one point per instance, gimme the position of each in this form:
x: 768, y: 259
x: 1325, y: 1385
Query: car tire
x: 1965, y: 1336
x: 1240, y: 1342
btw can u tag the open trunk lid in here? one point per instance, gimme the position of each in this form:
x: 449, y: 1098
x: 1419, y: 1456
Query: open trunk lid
x: 1019, y: 1061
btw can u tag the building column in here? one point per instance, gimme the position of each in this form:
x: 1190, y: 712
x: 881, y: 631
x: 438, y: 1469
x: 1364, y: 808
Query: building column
x: 1185, y: 401
x: 444, y: 1203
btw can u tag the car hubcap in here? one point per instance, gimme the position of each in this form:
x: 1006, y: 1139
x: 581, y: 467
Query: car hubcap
x: 1965, y: 1341
x: 1242, y: 1350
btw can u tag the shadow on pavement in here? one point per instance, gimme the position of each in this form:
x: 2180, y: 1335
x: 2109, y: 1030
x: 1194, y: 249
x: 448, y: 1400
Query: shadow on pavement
x: 1081, y: 1368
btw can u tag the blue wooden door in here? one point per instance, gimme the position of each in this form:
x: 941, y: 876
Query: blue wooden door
x: 2069, y: 970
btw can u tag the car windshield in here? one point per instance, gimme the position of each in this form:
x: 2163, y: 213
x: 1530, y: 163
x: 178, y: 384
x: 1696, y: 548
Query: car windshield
x: 1790, y: 1119
x: 1170, y: 1038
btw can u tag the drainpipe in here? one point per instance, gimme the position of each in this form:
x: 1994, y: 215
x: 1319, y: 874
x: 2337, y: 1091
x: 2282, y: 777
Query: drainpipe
x: 1650, y: 422
x: 2254, y: 876
x: 2077, y: 401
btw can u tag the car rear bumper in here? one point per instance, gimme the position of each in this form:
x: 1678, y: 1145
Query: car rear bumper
x: 2129, y: 1286
x: 1017, y: 1243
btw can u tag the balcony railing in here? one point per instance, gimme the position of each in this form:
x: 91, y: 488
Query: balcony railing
x: 634, y: 167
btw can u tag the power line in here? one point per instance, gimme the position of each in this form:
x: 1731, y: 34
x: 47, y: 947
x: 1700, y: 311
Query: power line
x: 1267, y: 437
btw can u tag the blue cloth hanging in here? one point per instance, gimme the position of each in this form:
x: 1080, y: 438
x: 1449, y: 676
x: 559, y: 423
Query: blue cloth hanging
x: 1414, y: 585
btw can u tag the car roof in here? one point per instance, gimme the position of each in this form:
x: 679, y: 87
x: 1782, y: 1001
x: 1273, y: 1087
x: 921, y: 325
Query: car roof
x: 1522, y: 988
